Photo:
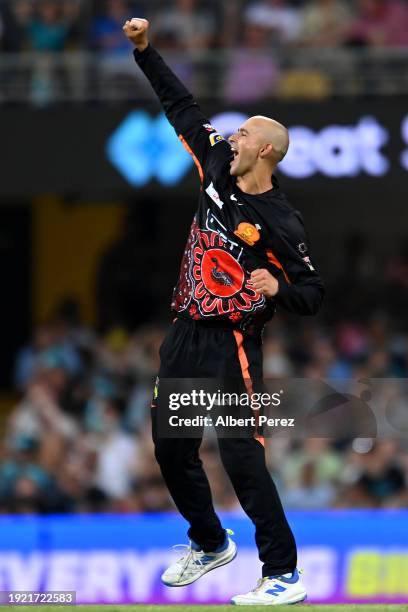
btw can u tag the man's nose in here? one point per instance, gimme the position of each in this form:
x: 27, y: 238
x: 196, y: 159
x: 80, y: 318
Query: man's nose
x: 232, y: 138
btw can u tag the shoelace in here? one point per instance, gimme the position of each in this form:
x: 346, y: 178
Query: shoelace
x: 260, y: 584
x: 192, y: 555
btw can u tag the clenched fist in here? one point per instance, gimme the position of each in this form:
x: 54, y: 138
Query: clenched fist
x: 137, y: 32
x: 264, y: 282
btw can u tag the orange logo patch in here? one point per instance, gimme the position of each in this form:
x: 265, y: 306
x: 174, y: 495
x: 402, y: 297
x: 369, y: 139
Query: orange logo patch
x: 248, y: 233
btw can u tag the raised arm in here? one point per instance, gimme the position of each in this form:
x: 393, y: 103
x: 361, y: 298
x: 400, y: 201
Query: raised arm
x: 193, y: 128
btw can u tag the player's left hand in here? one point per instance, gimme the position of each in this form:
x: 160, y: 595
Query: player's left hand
x: 264, y: 282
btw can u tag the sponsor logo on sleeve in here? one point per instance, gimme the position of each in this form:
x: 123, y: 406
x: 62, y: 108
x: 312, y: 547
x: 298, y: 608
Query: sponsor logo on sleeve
x: 248, y: 233
x: 308, y: 262
x: 215, y: 138
x: 209, y: 127
x: 214, y: 195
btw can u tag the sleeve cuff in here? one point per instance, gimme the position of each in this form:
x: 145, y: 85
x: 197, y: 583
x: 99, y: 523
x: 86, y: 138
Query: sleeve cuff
x: 139, y: 54
x: 282, y: 289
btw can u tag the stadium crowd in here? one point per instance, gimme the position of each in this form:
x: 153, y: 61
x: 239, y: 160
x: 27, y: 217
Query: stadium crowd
x: 190, y: 25
x: 79, y: 438
x: 214, y: 46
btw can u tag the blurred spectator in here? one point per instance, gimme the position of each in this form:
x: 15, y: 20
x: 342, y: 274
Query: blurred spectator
x: 50, y: 342
x: 43, y: 339
x: 49, y: 26
x: 184, y: 26
x: 17, y: 17
x: 324, y: 23
x: 327, y: 361
x: 63, y: 459
x: 277, y: 16
x: 40, y: 413
x: 21, y: 462
x: 352, y: 341
x: 380, y: 23
x: 25, y: 486
x: 309, y: 494
x: 382, y: 478
x: 326, y: 462
x: 116, y: 453
x: 106, y: 30
x: 276, y: 362
x: 9, y: 31
x: 253, y: 73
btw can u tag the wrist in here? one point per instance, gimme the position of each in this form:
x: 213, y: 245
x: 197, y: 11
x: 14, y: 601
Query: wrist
x: 141, y: 47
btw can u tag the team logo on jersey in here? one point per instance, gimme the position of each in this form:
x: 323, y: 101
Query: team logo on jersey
x: 248, y: 233
x: 302, y: 248
x: 221, y: 273
x: 215, y: 137
x: 234, y: 199
x: 221, y: 286
x: 209, y: 127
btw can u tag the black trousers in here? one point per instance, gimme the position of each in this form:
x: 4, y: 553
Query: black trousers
x: 199, y: 350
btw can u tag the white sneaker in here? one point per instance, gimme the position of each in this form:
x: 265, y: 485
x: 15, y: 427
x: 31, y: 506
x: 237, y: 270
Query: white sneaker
x: 274, y: 591
x: 195, y: 563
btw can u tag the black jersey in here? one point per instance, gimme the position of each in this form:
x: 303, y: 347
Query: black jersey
x: 233, y: 233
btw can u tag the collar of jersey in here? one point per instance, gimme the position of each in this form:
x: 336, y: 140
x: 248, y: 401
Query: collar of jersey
x: 271, y: 192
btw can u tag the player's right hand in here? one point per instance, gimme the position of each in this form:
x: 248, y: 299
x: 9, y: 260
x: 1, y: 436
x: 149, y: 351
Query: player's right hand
x: 136, y: 31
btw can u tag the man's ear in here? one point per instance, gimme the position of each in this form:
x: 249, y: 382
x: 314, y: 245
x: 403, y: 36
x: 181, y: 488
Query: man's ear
x: 267, y: 152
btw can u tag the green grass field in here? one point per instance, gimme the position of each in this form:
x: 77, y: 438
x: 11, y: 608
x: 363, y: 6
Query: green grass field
x: 305, y: 607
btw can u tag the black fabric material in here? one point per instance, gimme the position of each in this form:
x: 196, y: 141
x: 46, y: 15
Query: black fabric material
x: 223, y: 216
x: 192, y: 350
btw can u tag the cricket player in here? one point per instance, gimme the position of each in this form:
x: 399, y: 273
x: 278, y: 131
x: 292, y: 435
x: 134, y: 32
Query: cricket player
x: 246, y: 254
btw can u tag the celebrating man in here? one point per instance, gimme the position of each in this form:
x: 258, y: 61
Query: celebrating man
x: 246, y: 254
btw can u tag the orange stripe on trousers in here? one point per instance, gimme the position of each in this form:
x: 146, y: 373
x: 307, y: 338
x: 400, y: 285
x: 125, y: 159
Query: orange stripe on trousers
x: 243, y: 360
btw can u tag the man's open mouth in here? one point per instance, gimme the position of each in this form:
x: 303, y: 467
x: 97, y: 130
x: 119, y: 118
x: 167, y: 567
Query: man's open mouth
x: 234, y: 154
